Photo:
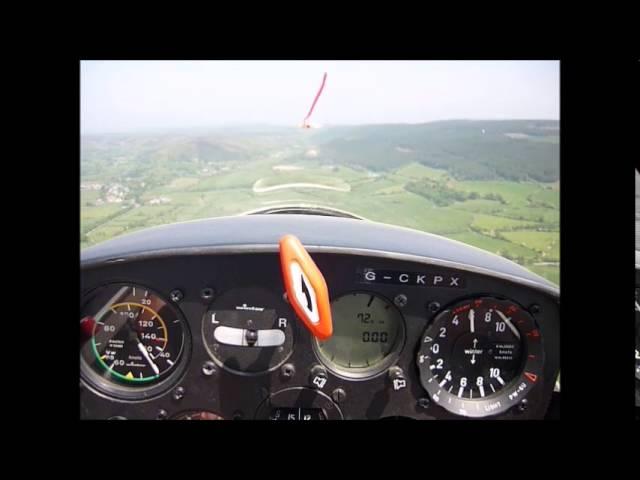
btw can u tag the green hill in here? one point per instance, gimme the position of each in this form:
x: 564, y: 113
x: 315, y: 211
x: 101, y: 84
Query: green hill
x: 469, y: 150
x: 492, y: 184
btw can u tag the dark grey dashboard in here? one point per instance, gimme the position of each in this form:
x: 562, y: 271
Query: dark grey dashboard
x: 230, y: 345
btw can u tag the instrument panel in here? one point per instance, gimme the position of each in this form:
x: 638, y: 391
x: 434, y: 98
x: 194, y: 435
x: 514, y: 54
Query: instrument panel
x: 212, y: 336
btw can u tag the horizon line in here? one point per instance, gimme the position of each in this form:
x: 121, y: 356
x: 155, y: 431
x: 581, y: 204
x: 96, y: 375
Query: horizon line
x: 297, y: 127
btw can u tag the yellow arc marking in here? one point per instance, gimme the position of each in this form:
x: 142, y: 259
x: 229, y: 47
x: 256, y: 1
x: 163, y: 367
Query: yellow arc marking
x: 144, y: 307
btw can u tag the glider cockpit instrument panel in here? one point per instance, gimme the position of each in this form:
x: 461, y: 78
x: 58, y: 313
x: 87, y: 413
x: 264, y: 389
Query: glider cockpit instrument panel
x: 298, y: 317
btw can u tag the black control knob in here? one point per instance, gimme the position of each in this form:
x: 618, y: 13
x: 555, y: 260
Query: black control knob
x: 318, y: 377
x: 252, y: 337
x: 398, y: 380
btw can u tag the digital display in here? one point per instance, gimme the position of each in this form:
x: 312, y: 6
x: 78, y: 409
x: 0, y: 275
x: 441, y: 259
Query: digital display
x: 367, y: 329
x: 294, y: 414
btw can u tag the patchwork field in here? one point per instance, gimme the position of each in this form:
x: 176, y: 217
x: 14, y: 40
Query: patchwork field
x: 518, y: 220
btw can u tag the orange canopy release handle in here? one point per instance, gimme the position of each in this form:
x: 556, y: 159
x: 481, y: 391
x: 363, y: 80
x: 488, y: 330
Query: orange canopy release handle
x: 306, y: 288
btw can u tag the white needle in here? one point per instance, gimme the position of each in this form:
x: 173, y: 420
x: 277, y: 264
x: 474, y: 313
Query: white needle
x: 637, y: 307
x: 119, y: 294
x: 148, y: 358
x: 471, y: 320
x: 473, y: 357
x: 507, y: 320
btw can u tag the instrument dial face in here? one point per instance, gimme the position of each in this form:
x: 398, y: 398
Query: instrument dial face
x: 131, y: 339
x: 480, y: 356
x: 249, y: 331
x: 368, y: 334
x: 298, y: 403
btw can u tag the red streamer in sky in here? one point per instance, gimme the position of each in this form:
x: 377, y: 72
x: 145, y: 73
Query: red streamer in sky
x: 304, y: 122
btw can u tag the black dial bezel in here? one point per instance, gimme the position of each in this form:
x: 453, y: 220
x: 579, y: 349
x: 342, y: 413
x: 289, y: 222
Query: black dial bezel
x: 365, y: 373
x: 513, y: 392
x: 116, y: 390
x: 249, y: 294
x: 299, y: 397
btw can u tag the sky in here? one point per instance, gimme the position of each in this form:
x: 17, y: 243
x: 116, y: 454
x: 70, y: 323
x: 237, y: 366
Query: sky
x: 128, y: 96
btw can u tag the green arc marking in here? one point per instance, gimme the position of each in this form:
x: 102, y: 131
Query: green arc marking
x: 113, y: 372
